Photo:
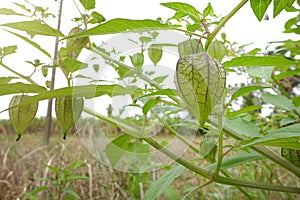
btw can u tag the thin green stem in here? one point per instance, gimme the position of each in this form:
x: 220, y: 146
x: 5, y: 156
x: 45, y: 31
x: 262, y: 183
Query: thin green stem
x: 191, y: 166
x: 223, y: 22
x: 262, y: 150
x: 18, y: 74
x: 220, y: 148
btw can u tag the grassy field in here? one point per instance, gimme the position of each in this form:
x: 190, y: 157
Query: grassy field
x: 66, y: 170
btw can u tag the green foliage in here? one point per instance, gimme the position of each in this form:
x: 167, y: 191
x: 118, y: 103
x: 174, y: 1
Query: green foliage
x: 34, y: 28
x: 247, y: 61
x: 122, y: 25
x: 162, y: 184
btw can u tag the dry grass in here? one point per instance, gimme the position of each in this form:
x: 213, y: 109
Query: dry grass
x: 23, y: 169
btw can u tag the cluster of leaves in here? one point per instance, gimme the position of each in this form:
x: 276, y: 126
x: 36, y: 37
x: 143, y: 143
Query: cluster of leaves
x: 269, y: 79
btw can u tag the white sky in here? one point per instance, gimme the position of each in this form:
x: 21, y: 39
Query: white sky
x: 243, y: 28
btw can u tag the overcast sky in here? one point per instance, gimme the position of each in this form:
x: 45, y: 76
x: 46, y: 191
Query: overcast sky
x: 243, y: 28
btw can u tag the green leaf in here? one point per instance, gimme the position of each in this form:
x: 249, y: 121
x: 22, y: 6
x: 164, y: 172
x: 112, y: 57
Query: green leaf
x: 162, y: 184
x: 279, y: 5
x: 247, y: 61
x: 243, y: 127
x: 31, y: 42
x: 6, y: 80
x: 167, y: 92
x: 245, y: 110
x: 120, y: 25
x: 259, y: 7
x: 6, y: 11
x: 296, y: 101
x: 160, y: 79
x: 88, y: 4
x: 15, y: 88
x: 208, y: 11
x: 261, y: 72
x: 149, y: 104
x: 155, y: 53
x: 217, y: 50
x: 73, y: 65
x: 34, y: 28
x: 8, y: 50
x: 97, y: 18
x: 279, y: 101
x: 280, y: 136
x: 89, y: 91
x: 183, y: 8
x: 114, y: 150
x: 145, y: 39
x: 235, y: 160
x: 244, y: 90
x: 289, y: 73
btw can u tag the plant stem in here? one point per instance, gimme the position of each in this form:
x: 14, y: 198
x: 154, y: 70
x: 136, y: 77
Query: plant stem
x: 191, y: 166
x: 18, y: 74
x: 220, y: 149
x: 223, y: 22
x: 262, y: 150
x: 50, y: 101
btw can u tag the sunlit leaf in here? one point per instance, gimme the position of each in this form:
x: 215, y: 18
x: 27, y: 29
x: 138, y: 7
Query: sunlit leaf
x: 120, y: 25
x: 279, y: 5
x: 6, y: 11
x: 248, y: 61
x: 5, y: 80
x: 160, y: 79
x: 149, y: 104
x: 16, y: 88
x: 183, y: 8
x: 34, y: 28
x: 244, y: 90
x: 289, y: 73
x: 88, y: 4
x: 8, y: 50
x: 242, y: 111
x: 259, y: 7
x: 73, y: 65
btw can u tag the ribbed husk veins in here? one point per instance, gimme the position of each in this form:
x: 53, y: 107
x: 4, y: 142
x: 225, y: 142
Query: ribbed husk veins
x: 21, y: 116
x: 200, y: 80
x: 291, y: 155
x: 68, y: 111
